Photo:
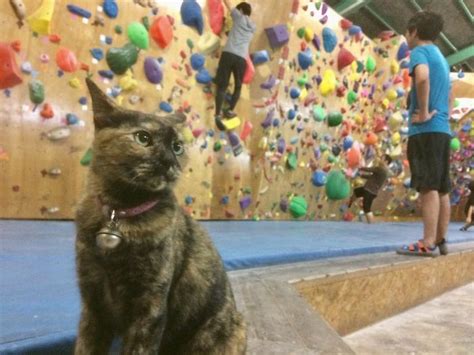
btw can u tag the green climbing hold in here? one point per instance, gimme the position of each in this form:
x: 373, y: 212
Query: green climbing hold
x: 455, y: 144
x: 120, y: 59
x: 332, y: 159
x: 217, y: 146
x: 36, y: 89
x: 118, y: 29
x: 298, y: 206
x: 303, y: 80
x: 351, y: 97
x: 146, y: 23
x: 370, y: 64
x: 86, y: 158
x: 360, y: 67
x: 334, y: 119
x: 319, y: 113
x: 301, y: 31
x: 138, y: 35
x: 337, y: 186
x: 323, y: 147
x: 456, y: 103
x: 292, y: 161
x: 190, y: 44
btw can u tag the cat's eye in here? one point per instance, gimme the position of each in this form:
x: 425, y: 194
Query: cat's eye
x: 143, y: 138
x: 178, y: 147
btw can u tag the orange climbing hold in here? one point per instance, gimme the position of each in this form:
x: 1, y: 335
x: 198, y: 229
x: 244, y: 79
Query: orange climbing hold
x: 370, y: 138
x: 66, y: 60
x: 9, y: 72
x: 161, y: 31
x: 47, y: 111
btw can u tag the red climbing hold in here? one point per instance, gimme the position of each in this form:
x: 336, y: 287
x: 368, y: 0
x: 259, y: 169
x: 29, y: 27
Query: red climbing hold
x: 47, y: 111
x: 344, y: 59
x: 345, y: 24
x: 9, y: 72
x: 249, y: 71
x: 216, y: 15
x: 162, y: 31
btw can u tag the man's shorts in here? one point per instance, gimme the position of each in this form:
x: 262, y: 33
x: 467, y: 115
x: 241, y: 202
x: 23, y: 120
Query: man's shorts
x: 428, y: 155
x: 367, y: 196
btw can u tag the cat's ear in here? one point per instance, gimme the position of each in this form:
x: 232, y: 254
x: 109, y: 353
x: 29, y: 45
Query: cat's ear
x: 178, y: 118
x: 102, y: 106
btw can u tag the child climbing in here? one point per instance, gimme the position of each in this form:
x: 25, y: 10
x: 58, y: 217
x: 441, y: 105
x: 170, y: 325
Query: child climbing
x: 233, y: 59
x: 469, y: 208
x: 375, y: 179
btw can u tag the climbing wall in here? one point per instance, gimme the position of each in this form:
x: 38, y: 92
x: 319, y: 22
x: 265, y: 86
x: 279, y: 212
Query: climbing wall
x: 321, y: 99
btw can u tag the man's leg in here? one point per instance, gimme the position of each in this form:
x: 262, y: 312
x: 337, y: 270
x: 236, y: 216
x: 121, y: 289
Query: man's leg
x: 222, y: 80
x: 238, y: 70
x: 430, y: 210
x: 444, y: 216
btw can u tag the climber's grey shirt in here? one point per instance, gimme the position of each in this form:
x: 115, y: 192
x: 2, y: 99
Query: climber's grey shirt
x: 240, y: 35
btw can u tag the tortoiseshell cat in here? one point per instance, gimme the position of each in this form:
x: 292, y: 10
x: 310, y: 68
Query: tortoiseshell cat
x: 152, y: 276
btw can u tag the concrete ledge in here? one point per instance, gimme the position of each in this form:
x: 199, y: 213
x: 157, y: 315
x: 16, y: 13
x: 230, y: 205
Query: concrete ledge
x: 354, y: 300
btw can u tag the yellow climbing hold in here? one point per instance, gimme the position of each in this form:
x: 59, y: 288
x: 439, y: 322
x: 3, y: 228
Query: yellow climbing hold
x: 187, y: 135
x: 127, y: 82
x: 75, y: 83
x: 328, y: 84
x: 394, y: 67
x: 392, y: 95
x: 231, y: 124
x: 40, y: 20
x: 308, y: 34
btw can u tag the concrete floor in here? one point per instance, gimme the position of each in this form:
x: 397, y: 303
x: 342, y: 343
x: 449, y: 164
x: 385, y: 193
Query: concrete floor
x: 444, y: 325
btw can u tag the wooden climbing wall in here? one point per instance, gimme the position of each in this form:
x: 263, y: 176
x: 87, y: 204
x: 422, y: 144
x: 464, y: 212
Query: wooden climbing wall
x: 43, y: 178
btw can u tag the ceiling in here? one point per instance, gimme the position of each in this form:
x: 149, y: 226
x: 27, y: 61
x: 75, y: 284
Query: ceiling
x: 456, y: 41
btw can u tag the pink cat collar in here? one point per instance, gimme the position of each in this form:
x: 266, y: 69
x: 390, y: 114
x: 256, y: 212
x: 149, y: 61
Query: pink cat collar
x: 129, y: 212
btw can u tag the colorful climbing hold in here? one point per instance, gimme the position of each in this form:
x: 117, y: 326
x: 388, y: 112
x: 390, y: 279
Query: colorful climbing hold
x: 161, y: 31
x: 337, y: 186
x: 329, y: 39
x: 120, y: 59
x: 9, y: 71
x: 298, y: 206
x: 138, y: 35
x: 191, y: 15
x: 153, y: 71
x: 344, y: 58
x: 66, y: 60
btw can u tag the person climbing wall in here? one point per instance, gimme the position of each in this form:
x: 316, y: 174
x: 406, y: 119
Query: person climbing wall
x: 233, y: 59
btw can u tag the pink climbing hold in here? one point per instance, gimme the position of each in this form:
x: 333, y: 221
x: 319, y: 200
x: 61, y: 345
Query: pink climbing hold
x: 161, y: 31
x: 344, y: 58
x: 216, y: 15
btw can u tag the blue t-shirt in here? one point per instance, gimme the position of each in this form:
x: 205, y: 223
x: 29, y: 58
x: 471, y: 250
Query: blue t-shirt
x: 439, y: 90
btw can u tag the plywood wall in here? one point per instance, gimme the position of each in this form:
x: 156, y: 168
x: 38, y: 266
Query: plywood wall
x: 28, y: 189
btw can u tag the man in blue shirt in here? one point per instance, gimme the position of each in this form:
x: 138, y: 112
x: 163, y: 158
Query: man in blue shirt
x: 233, y: 59
x: 429, y: 133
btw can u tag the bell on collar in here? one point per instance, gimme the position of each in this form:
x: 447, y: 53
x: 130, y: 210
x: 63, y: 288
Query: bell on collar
x: 109, y: 237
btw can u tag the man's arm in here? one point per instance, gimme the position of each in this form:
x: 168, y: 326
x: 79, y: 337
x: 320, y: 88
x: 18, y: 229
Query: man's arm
x: 228, y: 5
x: 422, y: 84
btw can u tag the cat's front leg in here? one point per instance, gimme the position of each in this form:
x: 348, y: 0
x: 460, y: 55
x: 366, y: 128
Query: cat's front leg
x: 144, y: 335
x: 94, y: 337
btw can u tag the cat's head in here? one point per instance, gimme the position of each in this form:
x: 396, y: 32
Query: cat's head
x: 143, y: 151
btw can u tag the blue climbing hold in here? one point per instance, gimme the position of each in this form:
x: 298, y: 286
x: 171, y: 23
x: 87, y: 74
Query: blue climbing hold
x: 295, y: 93
x: 329, y: 39
x: 97, y: 53
x: 260, y: 57
x: 110, y: 8
x: 305, y: 59
x: 72, y: 119
x: 197, y: 61
x: 83, y: 100
x: 191, y: 15
x: 165, y: 106
x: 203, y: 77
x: 188, y: 200
x: 291, y: 114
x: 402, y: 51
x: 79, y: 11
x: 354, y: 30
x: 319, y: 178
x: 347, y: 143
x: 107, y: 74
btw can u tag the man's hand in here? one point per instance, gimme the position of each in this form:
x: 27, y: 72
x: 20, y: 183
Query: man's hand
x: 419, y: 117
